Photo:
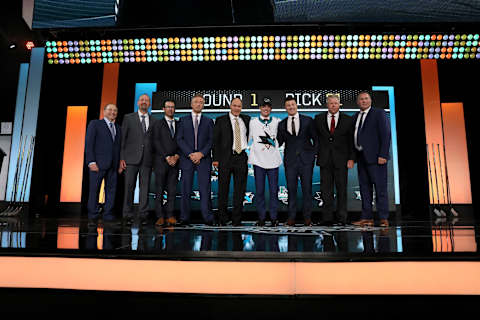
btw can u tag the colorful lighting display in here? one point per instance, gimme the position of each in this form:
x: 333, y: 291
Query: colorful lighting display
x: 266, y: 47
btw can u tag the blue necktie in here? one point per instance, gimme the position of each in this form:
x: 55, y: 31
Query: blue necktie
x: 112, y: 131
x: 360, y: 125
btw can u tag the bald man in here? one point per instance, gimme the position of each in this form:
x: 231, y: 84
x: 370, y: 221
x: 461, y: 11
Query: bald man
x: 230, y: 140
x: 136, y: 158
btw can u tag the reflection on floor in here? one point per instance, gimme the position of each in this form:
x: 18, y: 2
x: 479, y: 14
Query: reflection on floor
x: 75, y: 236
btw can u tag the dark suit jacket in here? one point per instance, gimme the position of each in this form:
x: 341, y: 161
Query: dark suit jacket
x: 163, y: 145
x: 339, y: 145
x: 223, y: 137
x: 375, y: 135
x: 100, y: 147
x: 136, y: 148
x: 303, y: 146
x: 186, y: 139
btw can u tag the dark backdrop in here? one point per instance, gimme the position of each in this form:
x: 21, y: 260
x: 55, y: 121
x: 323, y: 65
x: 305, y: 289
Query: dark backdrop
x: 81, y: 85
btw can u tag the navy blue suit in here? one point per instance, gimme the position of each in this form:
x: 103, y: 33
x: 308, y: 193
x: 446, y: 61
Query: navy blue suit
x: 299, y: 159
x: 374, y: 138
x: 105, y: 152
x: 186, y: 143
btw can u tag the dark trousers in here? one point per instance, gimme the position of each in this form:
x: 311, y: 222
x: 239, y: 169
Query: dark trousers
x: 272, y: 175
x: 369, y: 176
x: 95, y: 183
x: 331, y: 176
x: 166, y: 178
x: 131, y: 173
x: 238, y: 168
x: 204, y: 186
x: 293, y: 172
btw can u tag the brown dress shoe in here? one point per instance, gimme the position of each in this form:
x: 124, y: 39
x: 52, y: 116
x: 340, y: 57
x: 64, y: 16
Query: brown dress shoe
x: 384, y: 223
x: 308, y: 223
x: 363, y: 223
x: 290, y: 223
x: 160, y: 221
x: 171, y: 221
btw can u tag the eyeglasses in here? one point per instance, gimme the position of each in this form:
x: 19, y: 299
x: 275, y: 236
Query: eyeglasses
x: 169, y: 107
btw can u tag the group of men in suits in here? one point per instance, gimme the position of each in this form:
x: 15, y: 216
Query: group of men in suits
x: 195, y: 143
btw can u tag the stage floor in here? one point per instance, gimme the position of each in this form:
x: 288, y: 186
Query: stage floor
x: 416, y: 240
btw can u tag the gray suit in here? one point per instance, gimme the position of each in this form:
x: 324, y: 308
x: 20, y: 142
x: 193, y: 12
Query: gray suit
x: 137, y: 152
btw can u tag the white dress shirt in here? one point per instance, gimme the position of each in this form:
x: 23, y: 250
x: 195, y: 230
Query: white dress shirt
x: 329, y: 119
x: 243, y: 131
x: 296, y: 121
x: 357, y: 124
x: 147, y: 120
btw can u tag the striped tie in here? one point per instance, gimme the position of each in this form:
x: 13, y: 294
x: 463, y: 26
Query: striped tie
x: 237, y: 142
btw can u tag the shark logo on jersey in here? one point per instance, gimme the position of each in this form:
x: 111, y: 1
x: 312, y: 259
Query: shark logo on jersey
x: 214, y: 174
x: 283, y: 194
x: 248, y: 199
x: 318, y: 197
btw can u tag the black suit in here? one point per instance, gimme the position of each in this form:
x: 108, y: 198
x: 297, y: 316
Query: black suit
x: 299, y: 158
x: 334, y: 150
x: 230, y: 164
x: 166, y: 176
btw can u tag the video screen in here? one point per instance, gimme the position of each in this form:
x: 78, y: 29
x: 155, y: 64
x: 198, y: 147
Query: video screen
x: 371, y: 11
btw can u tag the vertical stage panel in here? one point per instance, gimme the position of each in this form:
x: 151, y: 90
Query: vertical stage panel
x: 457, y: 165
x: 109, y: 95
x: 72, y: 171
x: 433, y: 129
x: 32, y: 101
x: 109, y: 85
x: 17, y: 130
x: 25, y: 125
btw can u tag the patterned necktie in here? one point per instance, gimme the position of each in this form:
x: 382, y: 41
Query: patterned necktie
x: 170, y: 126
x: 332, y: 125
x: 294, y: 132
x: 112, y: 130
x: 237, y: 141
x: 144, y: 125
x: 195, y: 128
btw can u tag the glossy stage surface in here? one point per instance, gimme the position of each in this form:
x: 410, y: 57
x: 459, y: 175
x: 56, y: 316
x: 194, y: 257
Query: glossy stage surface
x: 407, y: 239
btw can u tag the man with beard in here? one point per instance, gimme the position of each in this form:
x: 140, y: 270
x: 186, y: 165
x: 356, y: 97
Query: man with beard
x: 136, y: 158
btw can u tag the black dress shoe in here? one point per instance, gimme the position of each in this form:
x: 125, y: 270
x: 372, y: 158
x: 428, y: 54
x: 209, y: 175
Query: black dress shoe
x: 183, y: 223
x: 326, y: 223
x: 236, y: 223
x: 212, y: 223
x: 260, y: 223
x: 92, y: 222
x: 290, y: 223
x: 127, y: 220
x: 275, y: 223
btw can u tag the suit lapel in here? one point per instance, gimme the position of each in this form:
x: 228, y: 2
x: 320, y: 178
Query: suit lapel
x: 324, y: 123
x: 340, y: 123
x: 150, y: 122
x: 367, y: 117
x: 301, y: 120
x: 229, y: 129
x: 105, y: 125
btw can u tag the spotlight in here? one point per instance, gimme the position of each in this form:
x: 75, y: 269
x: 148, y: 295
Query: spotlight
x: 30, y: 45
